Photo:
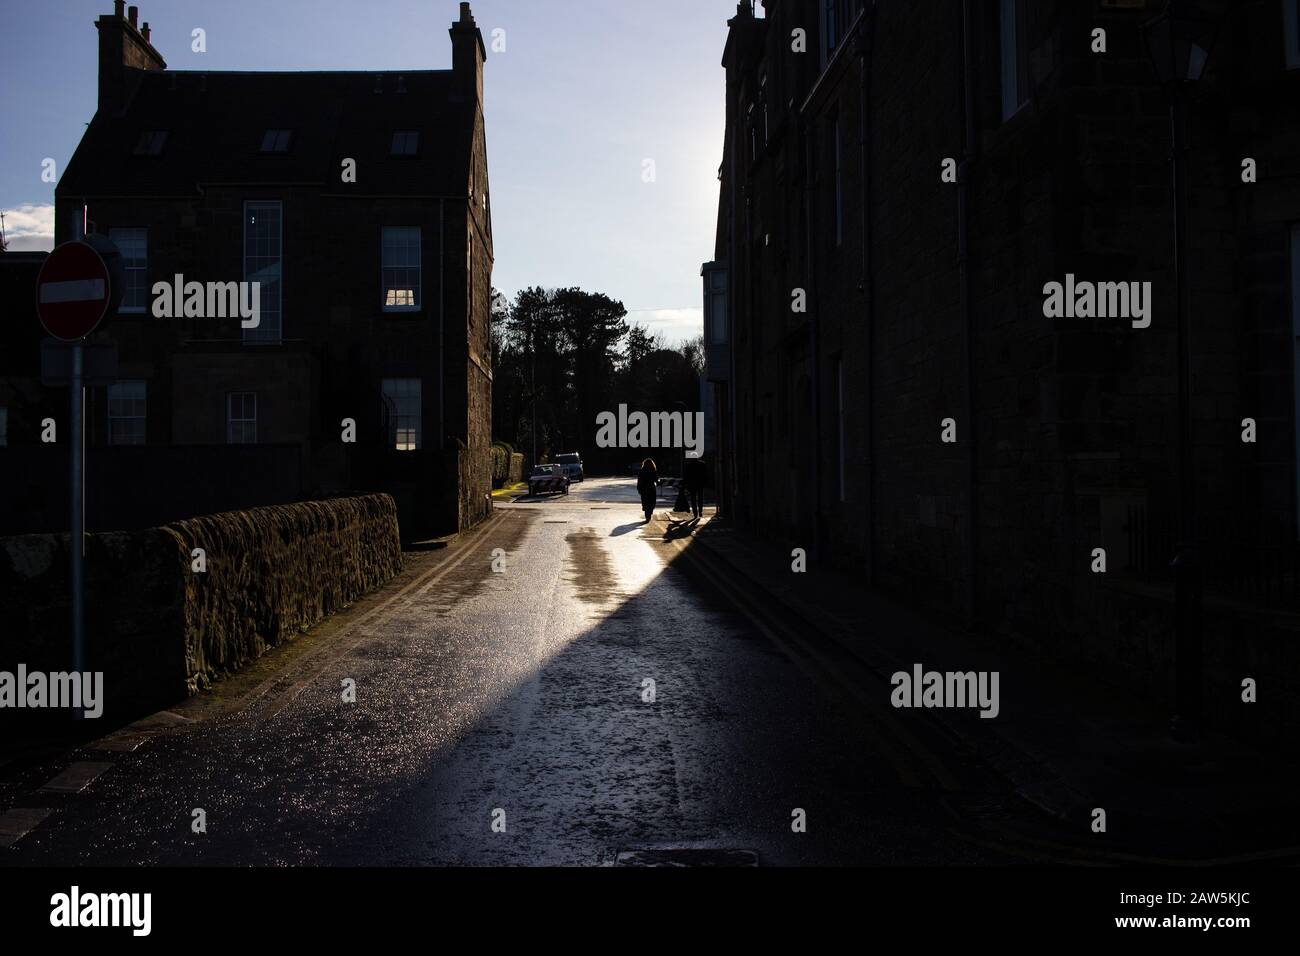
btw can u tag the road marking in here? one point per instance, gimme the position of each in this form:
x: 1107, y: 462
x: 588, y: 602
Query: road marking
x: 20, y: 821
x: 77, y: 777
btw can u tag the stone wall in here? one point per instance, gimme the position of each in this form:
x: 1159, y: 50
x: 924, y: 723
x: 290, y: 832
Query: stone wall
x: 160, y: 631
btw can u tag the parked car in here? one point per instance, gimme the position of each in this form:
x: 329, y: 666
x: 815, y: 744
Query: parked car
x: 548, y: 480
x: 572, y: 465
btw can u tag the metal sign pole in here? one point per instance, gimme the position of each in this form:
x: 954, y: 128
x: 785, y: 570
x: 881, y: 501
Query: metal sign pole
x: 77, y: 542
x: 78, y: 535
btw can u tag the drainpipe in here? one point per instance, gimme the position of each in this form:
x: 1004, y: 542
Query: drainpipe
x: 969, y: 152
x: 865, y: 44
x: 442, y: 313
x: 733, y: 410
x: 814, y: 359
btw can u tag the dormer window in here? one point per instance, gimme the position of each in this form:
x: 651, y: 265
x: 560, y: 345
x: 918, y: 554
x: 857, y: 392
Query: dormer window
x: 151, y: 142
x: 276, y: 140
x: 406, y: 142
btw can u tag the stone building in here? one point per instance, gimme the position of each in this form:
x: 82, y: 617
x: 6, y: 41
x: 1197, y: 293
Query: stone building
x: 359, y: 202
x: 900, y: 183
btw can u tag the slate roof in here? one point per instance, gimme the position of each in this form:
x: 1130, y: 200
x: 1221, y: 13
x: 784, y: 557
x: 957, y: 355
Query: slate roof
x: 215, y: 124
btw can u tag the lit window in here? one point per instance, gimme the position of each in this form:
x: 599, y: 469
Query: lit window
x: 406, y: 142
x: 403, y: 406
x: 241, y: 418
x: 151, y: 142
x: 400, y: 268
x: 1011, y: 36
x: 126, y: 413
x: 263, y: 263
x: 133, y: 244
x: 276, y: 140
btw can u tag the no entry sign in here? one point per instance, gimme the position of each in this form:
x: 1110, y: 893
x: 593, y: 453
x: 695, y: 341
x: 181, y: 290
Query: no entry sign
x: 73, y: 291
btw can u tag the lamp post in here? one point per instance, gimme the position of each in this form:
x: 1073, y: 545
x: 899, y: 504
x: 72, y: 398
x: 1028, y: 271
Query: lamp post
x: 1179, y: 42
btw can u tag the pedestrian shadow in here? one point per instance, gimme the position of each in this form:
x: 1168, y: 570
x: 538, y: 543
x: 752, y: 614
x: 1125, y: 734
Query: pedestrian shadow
x: 681, y: 529
x: 626, y: 529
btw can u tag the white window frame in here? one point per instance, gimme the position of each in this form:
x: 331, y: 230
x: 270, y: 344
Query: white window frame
x: 117, y: 236
x: 242, y: 421
x: 1291, y: 32
x: 1009, y: 55
x: 271, y: 329
x: 405, y: 430
x: 390, y: 240
x: 115, y: 411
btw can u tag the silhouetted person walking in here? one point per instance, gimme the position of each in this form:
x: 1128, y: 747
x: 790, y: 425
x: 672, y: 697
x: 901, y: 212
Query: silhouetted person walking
x: 647, y: 484
x: 695, y: 475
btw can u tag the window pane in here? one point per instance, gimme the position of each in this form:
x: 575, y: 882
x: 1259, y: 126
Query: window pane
x: 241, y: 418
x: 126, y: 413
x: 719, y: 318
x: 403, y: 405
x: 1010, y: 53
x: 133, y: 244
x: 262, y: 263
x: 400, y: 270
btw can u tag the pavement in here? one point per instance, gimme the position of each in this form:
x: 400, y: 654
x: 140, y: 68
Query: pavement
x: 568, y: 685
x: 1067, y: 742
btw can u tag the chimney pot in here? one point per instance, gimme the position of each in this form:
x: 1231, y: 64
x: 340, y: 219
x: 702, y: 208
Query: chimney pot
x: 132, y: 13
x: 465, y: 15
x: 144, y: 31
x: 119, y: 8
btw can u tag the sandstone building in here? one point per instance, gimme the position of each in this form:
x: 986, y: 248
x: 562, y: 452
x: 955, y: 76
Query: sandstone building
x: 360, y: 203
x: 924, y: 305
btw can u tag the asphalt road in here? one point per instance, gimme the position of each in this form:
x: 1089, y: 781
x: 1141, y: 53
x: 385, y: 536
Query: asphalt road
x: 504, y: 717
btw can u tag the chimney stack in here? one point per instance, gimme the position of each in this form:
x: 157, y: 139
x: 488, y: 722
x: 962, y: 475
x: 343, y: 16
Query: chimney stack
x: 468, y: 55
x: 125, y: 53
x: 144, y: 31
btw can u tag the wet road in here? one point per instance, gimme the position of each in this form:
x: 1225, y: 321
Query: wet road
x: 589, y: 699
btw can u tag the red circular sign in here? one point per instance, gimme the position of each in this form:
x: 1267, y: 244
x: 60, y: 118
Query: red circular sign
x: 72, y: 291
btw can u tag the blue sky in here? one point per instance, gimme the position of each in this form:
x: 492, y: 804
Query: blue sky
x: 585, y: 91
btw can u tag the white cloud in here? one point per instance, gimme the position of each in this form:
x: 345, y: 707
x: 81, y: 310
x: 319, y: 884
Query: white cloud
x: 677, y: 325
x: 30, y: 227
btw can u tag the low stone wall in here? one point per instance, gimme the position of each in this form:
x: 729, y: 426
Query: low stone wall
x: 160, y: 630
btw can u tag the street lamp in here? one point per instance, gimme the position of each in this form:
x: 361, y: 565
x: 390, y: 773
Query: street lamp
x: 1179, y: 42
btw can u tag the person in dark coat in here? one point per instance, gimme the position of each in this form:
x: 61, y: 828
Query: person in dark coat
x: 695, y: 474
x: 647, y: 484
